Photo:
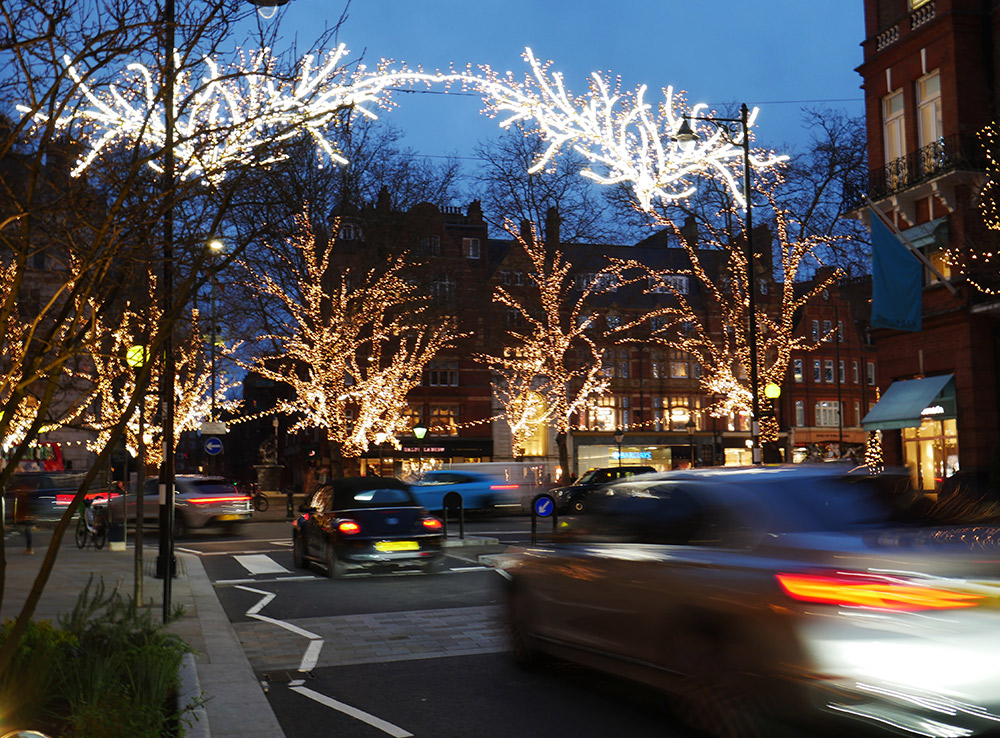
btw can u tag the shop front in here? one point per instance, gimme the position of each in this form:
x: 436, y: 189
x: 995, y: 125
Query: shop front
x: 416, y: 456
x: 924, y: 412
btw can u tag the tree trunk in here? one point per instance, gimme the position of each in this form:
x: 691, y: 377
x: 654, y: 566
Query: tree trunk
x: 562, y: 441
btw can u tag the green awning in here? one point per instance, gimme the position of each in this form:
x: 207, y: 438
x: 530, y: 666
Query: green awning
x: 905, y: 404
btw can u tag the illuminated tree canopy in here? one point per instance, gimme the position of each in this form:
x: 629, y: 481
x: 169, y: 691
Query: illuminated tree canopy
x: 233, y: 112
x: 353, y: 343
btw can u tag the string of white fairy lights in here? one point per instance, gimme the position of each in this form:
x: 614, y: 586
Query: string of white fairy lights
x: 236, y: 115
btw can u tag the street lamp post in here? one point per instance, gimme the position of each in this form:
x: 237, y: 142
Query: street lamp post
x: 691, y: 425
x: 727, y: 127
x: 619, y: 437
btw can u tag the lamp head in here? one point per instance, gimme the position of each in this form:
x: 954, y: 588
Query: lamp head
x: 619, y: 435
x: 419, y: 431
x: 686, y: 136
x: 772, y: 391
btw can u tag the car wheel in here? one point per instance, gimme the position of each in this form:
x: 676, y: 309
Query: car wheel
x: 334, y: 566
x: 180, y: 525
x: 298, y: 552
x: 714, y: 698
x: 523, y: 647
x: 577, y: 506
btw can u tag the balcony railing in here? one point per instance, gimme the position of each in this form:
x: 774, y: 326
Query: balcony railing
x: 949, y: 154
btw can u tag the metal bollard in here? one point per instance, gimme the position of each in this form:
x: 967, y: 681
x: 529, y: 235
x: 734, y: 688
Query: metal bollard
x: 451, y: 501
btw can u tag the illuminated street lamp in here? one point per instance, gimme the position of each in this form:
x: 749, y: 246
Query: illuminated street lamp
x: 619, y: 437
x: 736, y: 132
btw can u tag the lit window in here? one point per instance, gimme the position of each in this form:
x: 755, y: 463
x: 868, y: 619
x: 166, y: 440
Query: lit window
x: 827, y: 414
x: 679, y: 369
x: 817, y: 371
x: 828, y: 370
x: 871, y: 373
x: 798, y: 372
x: 800, y: 413
x: 815, y: 330
x: 894, y: 133
x: 827, y: 327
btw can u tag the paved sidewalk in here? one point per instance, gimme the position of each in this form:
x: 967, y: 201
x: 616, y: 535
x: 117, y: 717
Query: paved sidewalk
x: 236, y: 707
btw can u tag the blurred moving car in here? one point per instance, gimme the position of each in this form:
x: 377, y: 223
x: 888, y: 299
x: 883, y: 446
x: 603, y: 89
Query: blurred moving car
x: 199, y: 502
x: 479, y: 491
x: 49, y: 493
x: 575, y: 497
x: 365, y: 521
x: 772, y: 598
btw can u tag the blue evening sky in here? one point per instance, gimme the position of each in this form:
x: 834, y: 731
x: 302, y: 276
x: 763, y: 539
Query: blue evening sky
x: 779, y: 55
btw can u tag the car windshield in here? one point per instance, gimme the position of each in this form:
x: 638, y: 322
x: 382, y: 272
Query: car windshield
x: 587, y: 477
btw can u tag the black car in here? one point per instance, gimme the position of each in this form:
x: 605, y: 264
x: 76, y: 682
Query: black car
x: 366, y: 521
x: 574, y: 497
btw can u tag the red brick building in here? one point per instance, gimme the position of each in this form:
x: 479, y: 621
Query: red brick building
x: 930, y: 81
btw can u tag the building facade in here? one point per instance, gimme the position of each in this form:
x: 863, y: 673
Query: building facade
x: 930, y: 82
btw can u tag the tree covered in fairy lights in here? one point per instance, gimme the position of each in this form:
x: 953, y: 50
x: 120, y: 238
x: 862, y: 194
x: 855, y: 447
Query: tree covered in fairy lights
x: 981, y: 265
x: 713, y: 330
x: 118, y: 350
x: 549, y: 366
x: 352, y: 342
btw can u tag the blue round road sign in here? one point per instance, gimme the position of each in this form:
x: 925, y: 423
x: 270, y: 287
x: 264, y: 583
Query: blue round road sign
x: 544, y: 506
x: 213, y: 446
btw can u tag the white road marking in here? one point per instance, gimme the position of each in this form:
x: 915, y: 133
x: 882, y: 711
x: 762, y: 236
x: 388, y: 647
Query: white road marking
x: 261, y: 564
x: 311, y: 657
x: 302, y: 578
x: 353, y: 712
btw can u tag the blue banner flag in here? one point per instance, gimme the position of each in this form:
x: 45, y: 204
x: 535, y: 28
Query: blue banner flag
x: 897, y: 281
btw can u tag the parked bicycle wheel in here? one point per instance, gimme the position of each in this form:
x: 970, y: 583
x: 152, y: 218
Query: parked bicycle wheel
x: 81, y: 532
x: 260, y: 502
x: 100, y: 534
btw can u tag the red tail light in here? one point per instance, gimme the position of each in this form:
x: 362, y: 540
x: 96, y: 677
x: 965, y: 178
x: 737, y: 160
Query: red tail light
x: 503, y: 486
x: 219, y: 498
x: 431, y: 523
x: 348, y: 527
x: 877, y: 592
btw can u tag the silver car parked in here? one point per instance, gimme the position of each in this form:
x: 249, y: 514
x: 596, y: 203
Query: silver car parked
x: 774, y: 597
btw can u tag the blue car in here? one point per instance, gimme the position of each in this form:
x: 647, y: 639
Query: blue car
x: 479, y: 491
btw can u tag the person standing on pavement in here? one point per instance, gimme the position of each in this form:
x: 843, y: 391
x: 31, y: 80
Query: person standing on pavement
x: 24, y: 512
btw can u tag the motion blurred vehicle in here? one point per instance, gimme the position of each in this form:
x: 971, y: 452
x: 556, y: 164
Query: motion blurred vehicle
x: 479, y: 491
x: 366, y: 521
x: 48, y: 493
x: 575, y: 497
x: 773, y: 599
x: 199, y: 502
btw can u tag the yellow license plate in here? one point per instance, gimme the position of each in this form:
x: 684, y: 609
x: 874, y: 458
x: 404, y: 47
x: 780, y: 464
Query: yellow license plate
x: 397, y: 546
x: 230, y: 517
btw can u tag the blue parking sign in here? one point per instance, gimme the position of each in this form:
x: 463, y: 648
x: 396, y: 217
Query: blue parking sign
x: 213, y: 446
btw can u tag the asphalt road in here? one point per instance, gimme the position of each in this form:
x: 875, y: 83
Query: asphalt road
x: 399, y: 653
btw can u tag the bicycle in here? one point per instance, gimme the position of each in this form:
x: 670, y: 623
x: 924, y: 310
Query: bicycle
x: 257, y: 498
x: 92, y: 526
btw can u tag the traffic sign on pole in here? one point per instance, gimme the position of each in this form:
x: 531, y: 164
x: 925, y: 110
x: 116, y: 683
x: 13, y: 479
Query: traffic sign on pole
x: 213, y: 446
